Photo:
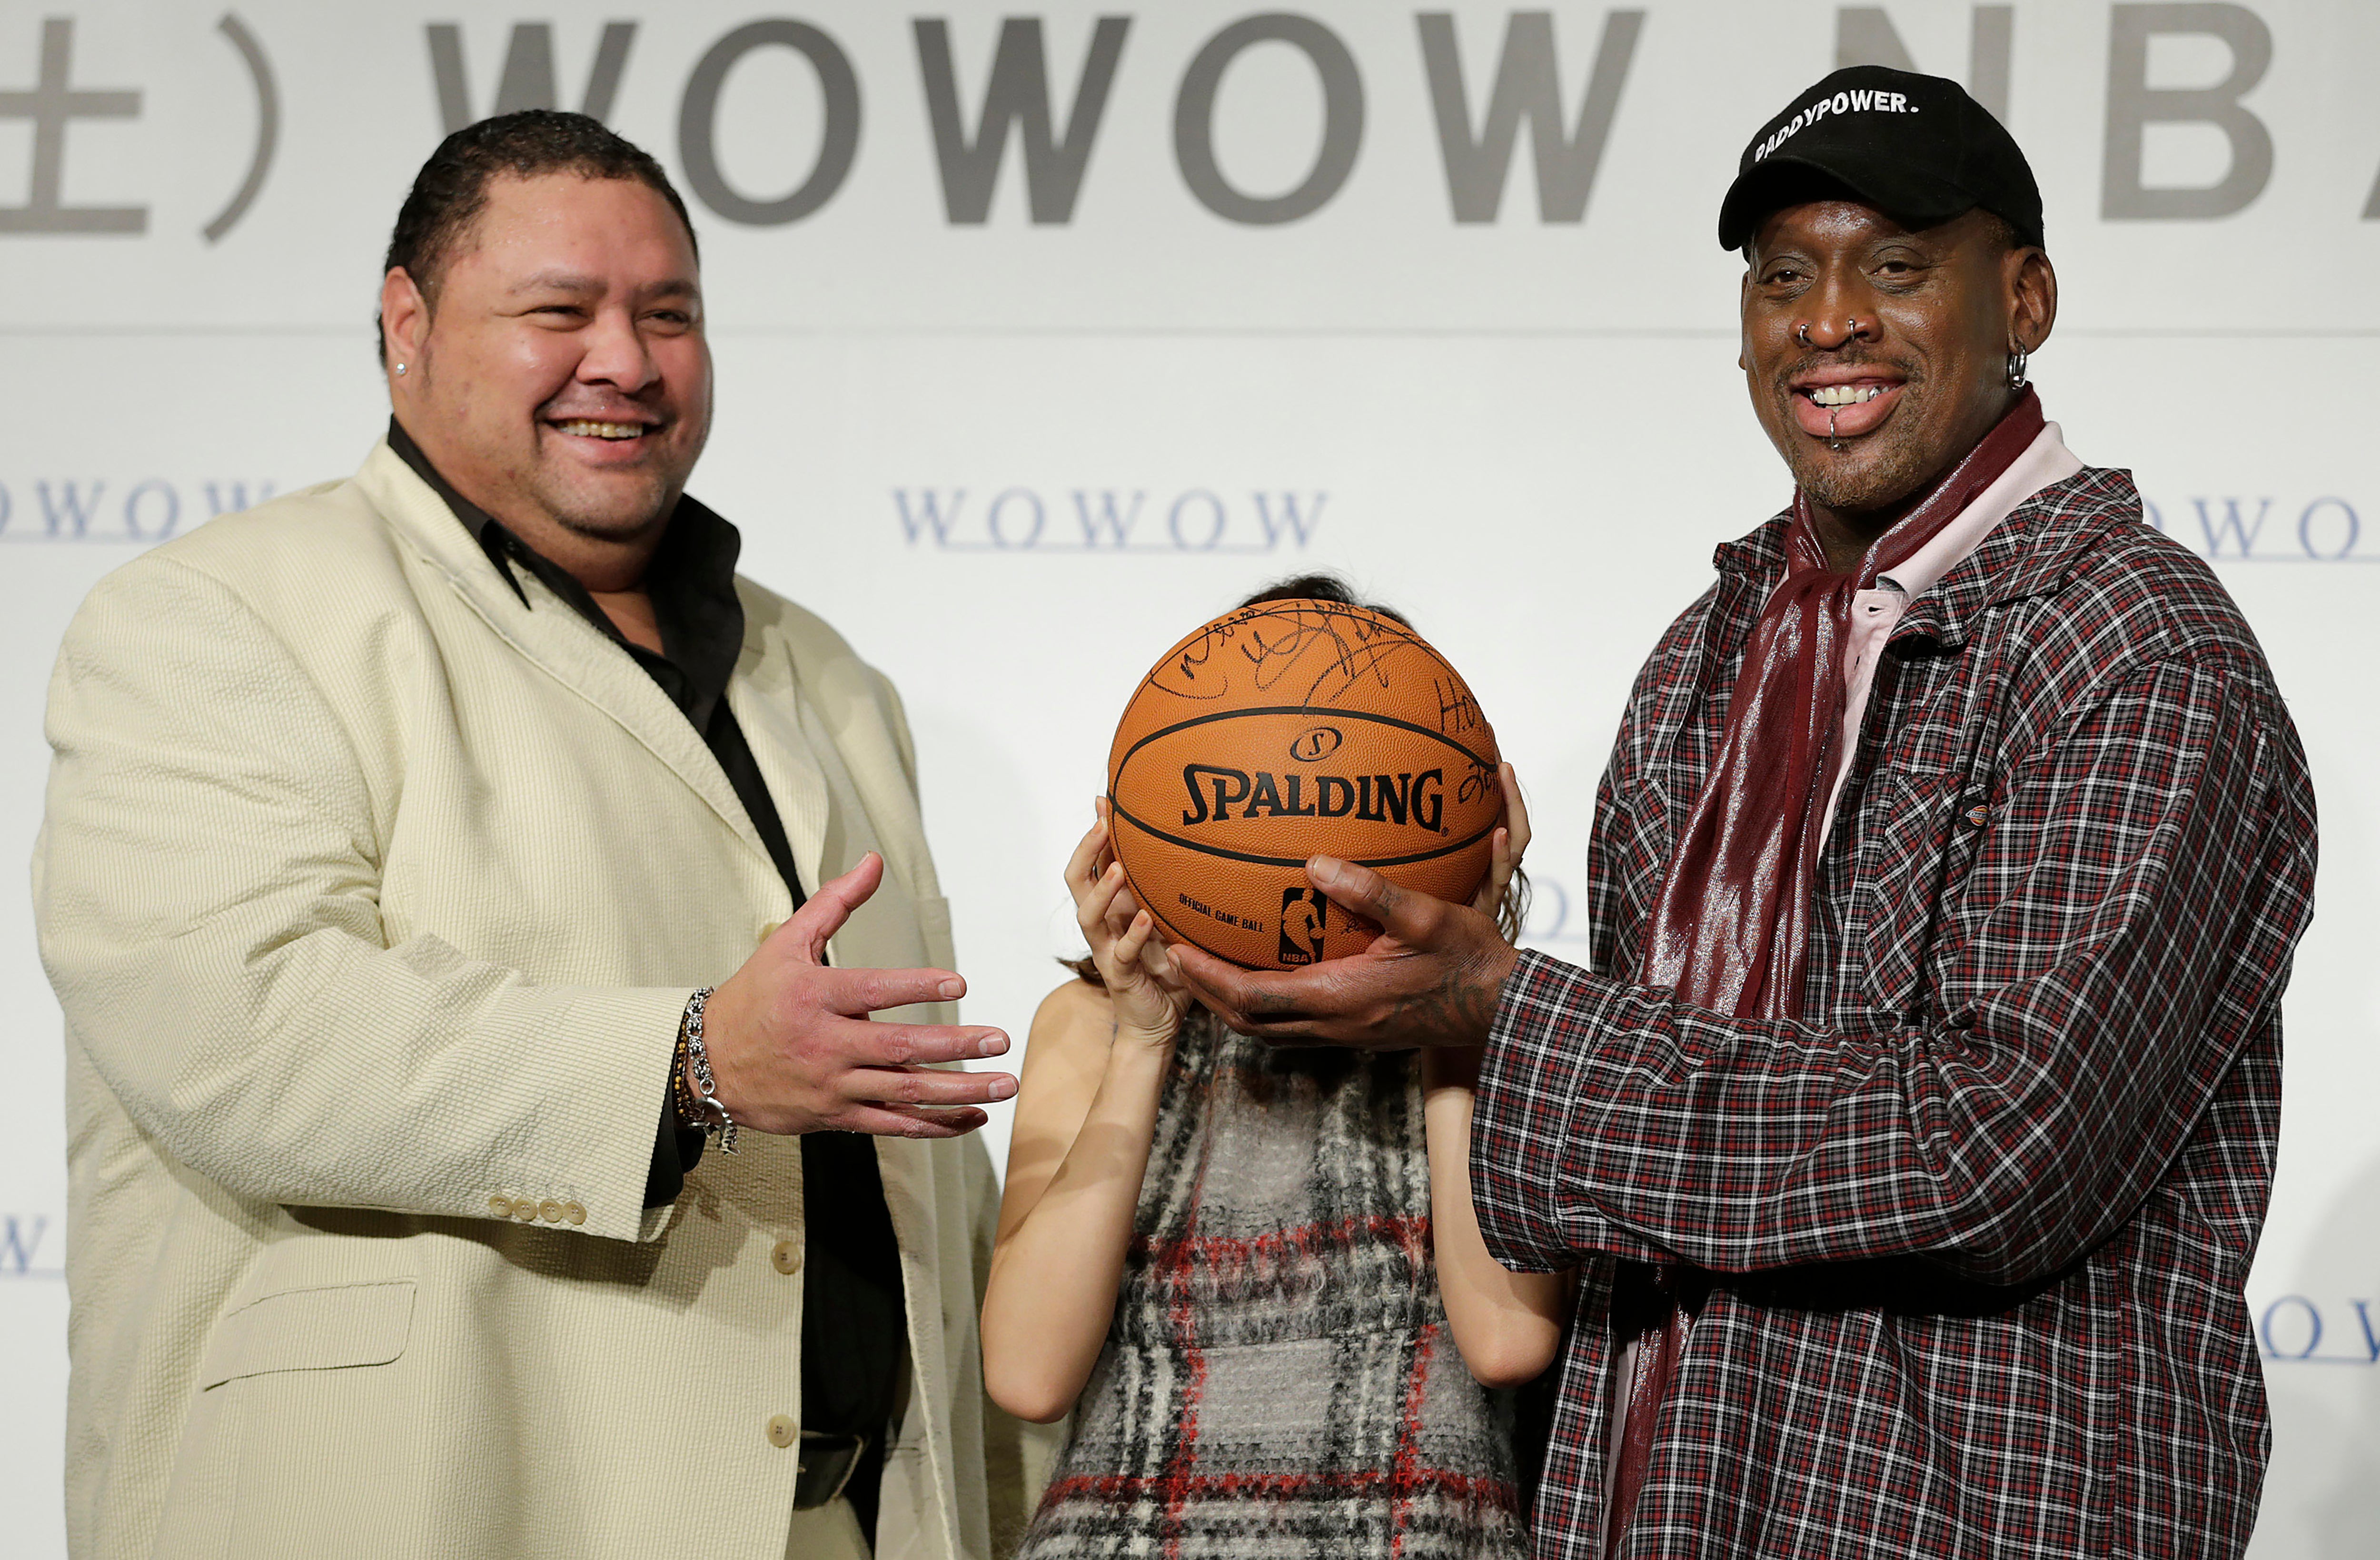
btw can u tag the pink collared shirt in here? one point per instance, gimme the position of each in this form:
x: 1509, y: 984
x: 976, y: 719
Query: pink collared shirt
x: 1875, y: 613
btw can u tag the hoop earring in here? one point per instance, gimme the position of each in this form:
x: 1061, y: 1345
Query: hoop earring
x: 2016, y: 370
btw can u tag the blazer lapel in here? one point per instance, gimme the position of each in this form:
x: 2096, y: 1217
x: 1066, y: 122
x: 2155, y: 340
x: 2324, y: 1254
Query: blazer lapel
x: 766, y: 701
x: 553, y: 638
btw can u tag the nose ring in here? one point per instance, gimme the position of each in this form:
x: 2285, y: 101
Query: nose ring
x: 1852, y: 325
x: 1802, y: 333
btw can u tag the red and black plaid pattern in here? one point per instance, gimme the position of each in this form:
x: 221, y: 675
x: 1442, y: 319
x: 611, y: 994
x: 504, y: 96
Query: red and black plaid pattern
x: 1279, y: 1381
x: 1974, y: 1231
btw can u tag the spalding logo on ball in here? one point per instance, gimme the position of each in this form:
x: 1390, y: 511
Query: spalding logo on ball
x: 1284, y: 731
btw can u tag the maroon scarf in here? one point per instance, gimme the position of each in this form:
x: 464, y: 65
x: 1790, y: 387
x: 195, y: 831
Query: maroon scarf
x: 1731, y: 929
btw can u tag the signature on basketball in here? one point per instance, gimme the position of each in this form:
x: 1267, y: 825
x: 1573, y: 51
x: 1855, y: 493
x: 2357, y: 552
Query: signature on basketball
x: 1272, y: 641
x: 1457, y: 710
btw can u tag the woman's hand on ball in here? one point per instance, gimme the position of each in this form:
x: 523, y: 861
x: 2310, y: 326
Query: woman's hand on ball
x: 1147, y: 990
x: 1511, y: 842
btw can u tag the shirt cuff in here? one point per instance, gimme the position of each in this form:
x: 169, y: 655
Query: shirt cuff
x: 1540, y: 1045
x: 677, y: 1150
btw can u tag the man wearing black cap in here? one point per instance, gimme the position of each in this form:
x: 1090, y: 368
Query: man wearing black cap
x: 1914, y: 1123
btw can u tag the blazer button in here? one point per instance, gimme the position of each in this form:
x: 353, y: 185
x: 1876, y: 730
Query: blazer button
x: 781, y: 1431
x: 574, y: 1212
x: 501, y: 1205
x: 786, y: 1257
x: 549, y: 1211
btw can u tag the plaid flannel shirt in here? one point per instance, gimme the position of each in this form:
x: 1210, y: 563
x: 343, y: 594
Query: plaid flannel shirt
x: 1976, y: 1228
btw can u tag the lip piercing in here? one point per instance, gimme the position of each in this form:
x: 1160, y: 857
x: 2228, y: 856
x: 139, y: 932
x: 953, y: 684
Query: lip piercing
x: 1832, y: 443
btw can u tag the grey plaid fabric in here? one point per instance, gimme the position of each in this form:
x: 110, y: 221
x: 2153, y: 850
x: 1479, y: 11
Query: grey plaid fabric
x: 1279, y: 1382
x: 1974, y: 1232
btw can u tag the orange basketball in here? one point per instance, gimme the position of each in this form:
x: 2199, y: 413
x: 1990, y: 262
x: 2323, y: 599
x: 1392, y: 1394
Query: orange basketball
x: 1286, y: 729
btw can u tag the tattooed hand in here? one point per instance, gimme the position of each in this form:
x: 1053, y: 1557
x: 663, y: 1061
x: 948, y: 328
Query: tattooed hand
x: 1433, y: 977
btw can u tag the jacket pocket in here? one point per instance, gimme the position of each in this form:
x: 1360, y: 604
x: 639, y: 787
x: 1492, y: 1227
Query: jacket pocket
x: 329, y: 1328
x: 1914, y: 860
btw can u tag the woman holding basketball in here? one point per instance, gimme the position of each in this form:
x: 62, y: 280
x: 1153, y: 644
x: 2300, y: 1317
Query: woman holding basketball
x: 1254, y: 1274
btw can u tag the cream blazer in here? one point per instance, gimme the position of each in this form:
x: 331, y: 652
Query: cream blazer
x: 371, y: 897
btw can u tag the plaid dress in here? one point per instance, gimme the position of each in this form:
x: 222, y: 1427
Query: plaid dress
x: 1279, y: 1382
x: 1972, y: 1234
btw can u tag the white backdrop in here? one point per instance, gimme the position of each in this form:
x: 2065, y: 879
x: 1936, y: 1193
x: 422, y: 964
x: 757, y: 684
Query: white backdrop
x: 1252, y: 297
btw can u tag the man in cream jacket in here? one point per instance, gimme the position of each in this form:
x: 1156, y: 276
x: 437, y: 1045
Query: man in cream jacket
x: 425, y: 1201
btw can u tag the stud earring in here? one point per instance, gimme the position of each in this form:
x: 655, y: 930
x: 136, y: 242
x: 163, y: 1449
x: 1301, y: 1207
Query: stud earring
x: 2016, y: 370
x: 400, y: 369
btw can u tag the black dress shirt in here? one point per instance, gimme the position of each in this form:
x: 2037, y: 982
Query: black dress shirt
x: 853, y: 1324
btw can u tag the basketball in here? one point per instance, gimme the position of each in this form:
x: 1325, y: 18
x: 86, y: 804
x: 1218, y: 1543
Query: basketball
x: 1283, y: 730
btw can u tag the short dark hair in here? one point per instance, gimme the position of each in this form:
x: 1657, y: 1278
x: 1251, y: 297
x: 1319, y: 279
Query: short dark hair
x: 452, y: 188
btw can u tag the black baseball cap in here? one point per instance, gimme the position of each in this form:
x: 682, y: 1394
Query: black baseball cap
x: 1916, y: 148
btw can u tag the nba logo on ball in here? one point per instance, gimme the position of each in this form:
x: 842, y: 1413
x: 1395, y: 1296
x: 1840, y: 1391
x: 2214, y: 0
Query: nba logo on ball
x: 1304, y: 914
x: 1289, y: 730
